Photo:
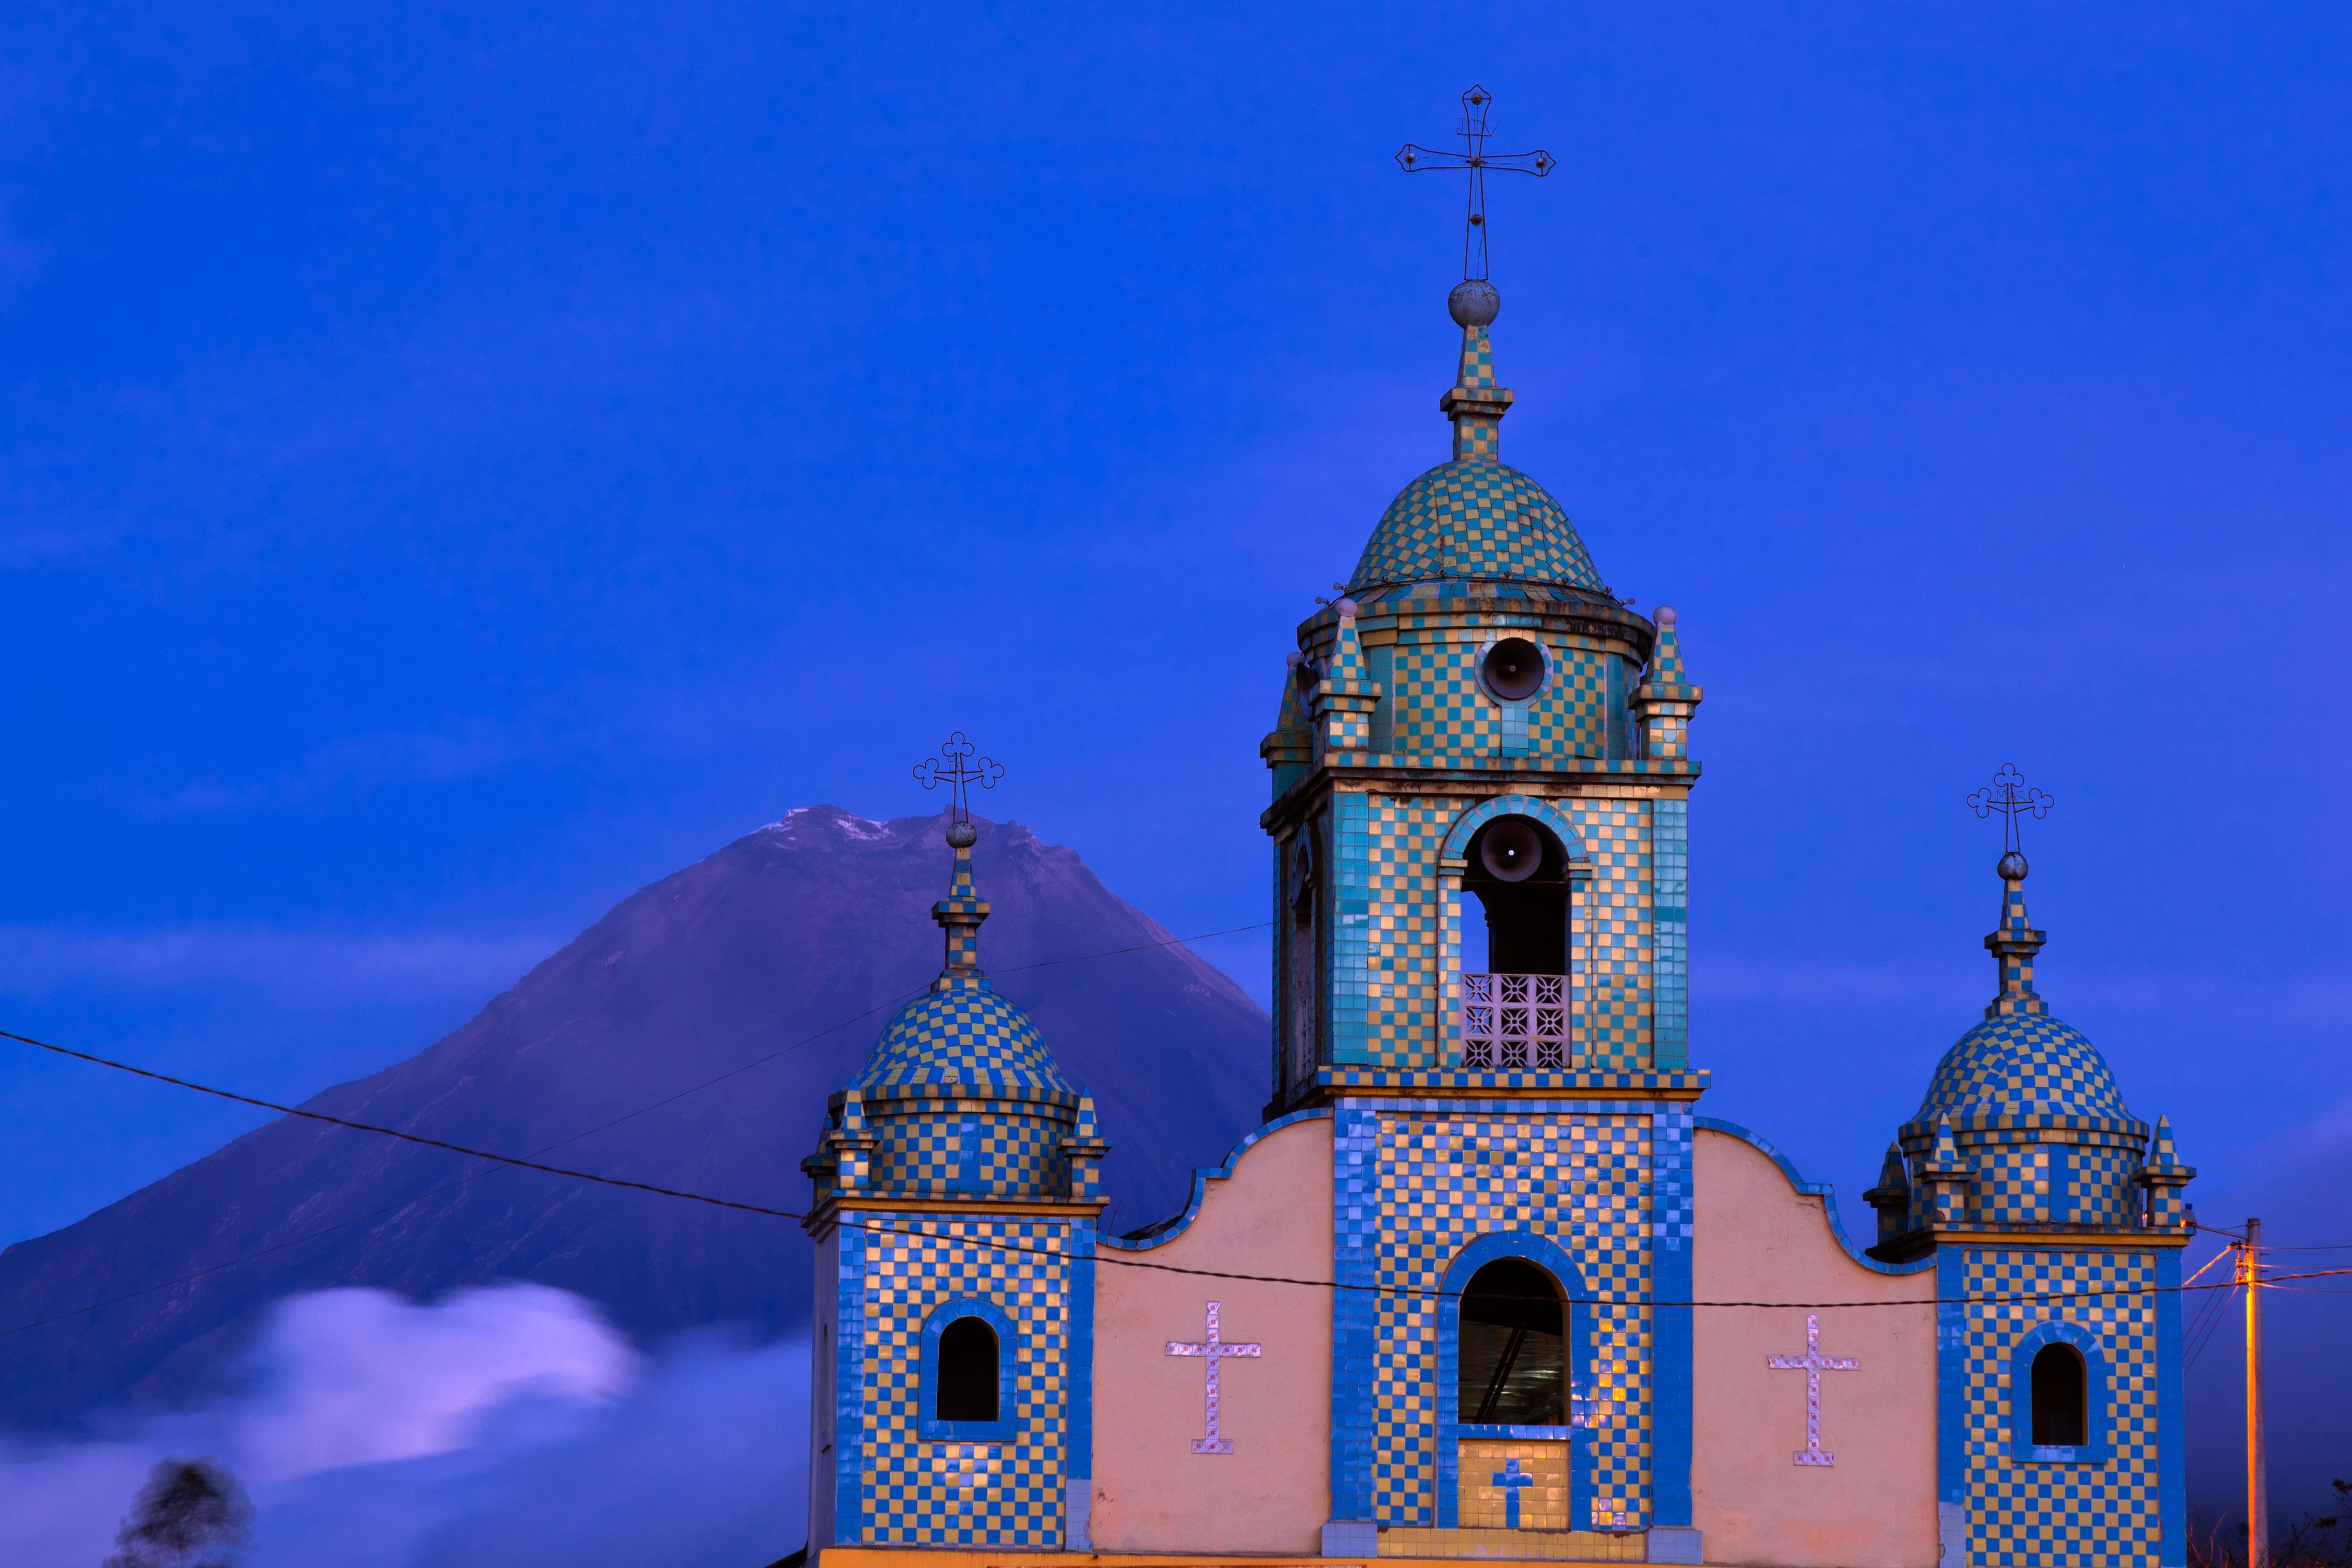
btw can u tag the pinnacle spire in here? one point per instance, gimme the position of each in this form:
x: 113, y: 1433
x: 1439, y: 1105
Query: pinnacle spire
x: 959, y: 914
x: 1475, y: 403
x: 2013, y: 946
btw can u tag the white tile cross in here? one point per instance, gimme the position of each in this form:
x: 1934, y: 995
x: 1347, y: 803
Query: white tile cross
x: 1212, y: 1350
x: 1812, y: 1363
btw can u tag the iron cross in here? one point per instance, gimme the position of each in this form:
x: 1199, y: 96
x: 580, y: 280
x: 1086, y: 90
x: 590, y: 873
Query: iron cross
x: 2007, y: 795
x: 1475, y: 158
x: 958, y: 769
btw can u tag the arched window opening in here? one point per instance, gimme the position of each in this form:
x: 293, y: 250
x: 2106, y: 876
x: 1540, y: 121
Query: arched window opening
x: 1513, y: 1347
x: 1516, y: 1010
x: 2060, y: 1396
x: 967, y: 1381
x: 1519, y: 872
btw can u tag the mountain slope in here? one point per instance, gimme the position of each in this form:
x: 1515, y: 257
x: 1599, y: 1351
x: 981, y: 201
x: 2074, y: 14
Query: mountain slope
x: 812, y: 921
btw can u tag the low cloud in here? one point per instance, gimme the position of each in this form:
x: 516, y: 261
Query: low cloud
x: 353, y: 765
x: 510, y: 1426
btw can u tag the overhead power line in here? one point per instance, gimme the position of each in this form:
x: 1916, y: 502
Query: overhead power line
x: 500, y: 1164
x: 1112, y: 1258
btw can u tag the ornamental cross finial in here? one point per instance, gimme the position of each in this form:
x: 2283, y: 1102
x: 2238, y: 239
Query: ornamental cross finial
x: 2007, y: 795
x: 1475, y: 158
x: 958, y: 769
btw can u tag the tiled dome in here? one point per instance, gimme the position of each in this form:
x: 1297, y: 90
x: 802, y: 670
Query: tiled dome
x: 1475, y: 517
x: 962, y: 1032
x: 2022, y: 1064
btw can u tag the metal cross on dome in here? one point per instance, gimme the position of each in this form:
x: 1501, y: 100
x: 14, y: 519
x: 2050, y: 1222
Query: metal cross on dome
x: 1475, y: 158
x: 958, y: 769
x: 2007, y: 795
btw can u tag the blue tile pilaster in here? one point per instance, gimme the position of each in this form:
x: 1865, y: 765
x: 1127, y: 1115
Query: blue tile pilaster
x: 2172, y: 1416
x: 1354, y: 1219
x: 1952, y: 1381
x: 1672, y: 1201
x: 1670, y: 933
x: 849, y: 1392
x: 1078, y: 1460
x: 1352, y: 976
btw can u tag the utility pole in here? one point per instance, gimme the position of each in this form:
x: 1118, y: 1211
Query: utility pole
x: 2258, y: 1459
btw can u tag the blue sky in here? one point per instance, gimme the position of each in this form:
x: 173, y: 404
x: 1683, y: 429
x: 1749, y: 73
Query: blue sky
x: 458, y: 465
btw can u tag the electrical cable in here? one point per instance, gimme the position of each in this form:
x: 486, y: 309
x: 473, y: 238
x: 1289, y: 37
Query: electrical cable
x: 2325, y: 1246
x: 1053, y: 1253
x: 2205, y: 1308
x: 516, y: 1162
x: 2212, y: 1313
x: 498, y: 1164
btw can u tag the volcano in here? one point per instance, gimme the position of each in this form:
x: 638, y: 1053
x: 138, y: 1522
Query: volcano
x: 796, y: 942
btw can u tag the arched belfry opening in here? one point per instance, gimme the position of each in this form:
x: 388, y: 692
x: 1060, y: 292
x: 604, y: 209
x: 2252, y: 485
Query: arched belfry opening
x: 1512, y: 1352
x: 2061, y: 1397
x: 1519, y: 871
x: 1516, y: 1005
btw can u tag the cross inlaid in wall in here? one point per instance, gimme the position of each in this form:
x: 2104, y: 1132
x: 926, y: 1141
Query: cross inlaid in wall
x: 1813, y: 1364
x: 1513, y: 1480
x: 1215, y: 1350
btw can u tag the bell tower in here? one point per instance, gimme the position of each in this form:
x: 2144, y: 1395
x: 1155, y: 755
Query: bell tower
x: 1481, y: 768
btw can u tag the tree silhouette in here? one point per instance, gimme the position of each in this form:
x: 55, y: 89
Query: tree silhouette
x: 189, y: 1514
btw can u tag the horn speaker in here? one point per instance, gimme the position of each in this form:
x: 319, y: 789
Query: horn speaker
x: 1515, y: 669
x: 1511, y: 849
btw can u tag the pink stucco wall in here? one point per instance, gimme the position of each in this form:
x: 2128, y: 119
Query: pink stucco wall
x: 1760, y: 1239
x: 1272, y: 1493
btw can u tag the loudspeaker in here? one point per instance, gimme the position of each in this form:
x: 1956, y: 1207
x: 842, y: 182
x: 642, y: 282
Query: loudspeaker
x: 1514, y: 669
x: 1511, y: 849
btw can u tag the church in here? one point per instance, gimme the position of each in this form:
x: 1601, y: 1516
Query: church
x: 1489, y: 1283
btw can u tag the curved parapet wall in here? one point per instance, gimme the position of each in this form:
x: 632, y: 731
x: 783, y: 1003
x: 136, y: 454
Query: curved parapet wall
x: 1781, y: 1279
x: 1266, y: 1212
x: 1821, y: 1189
x: 1169, y: 1229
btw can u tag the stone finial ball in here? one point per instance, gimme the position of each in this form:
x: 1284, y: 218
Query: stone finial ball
x: 1664, y: 615
x: 1473, y: 303
x: 963, y: 835
x: 1346, y: 606
x: 2011, y: 867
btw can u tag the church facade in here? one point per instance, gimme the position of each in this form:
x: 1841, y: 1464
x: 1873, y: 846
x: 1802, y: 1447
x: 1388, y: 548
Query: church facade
x: 1489, y: 1283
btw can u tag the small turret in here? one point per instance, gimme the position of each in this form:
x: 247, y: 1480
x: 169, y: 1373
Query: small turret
x: 2161, y: 1175
x: 1663, y: 703
x: 2023, y: 1129
x: 1892, y: 1197
x: 961, y: 1098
